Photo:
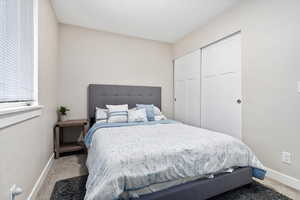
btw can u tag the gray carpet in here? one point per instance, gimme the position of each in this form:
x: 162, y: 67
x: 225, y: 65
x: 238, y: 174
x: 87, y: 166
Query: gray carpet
x: 74, y: 189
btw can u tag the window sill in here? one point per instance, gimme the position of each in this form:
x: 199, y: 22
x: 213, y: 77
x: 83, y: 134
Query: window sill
x: 11, y: 116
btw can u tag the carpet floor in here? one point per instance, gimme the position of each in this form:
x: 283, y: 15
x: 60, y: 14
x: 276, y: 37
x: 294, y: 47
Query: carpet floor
x: 74, y: 189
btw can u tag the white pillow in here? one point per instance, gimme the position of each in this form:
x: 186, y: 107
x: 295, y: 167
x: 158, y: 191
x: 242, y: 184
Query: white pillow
x: 137, y: 115
x: 159, y: 117
x: 117, y: 113
x: 101, y: 115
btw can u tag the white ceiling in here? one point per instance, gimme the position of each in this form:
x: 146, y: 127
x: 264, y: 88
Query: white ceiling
x: 162, y: 20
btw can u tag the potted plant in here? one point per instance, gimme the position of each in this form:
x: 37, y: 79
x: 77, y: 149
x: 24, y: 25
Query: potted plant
x: 62, y: 113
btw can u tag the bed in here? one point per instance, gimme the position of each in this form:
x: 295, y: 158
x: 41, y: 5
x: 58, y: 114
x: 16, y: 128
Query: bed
x: 160, y: 160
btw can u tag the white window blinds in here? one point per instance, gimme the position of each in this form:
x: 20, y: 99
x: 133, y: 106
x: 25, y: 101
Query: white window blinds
x: 16, y: 51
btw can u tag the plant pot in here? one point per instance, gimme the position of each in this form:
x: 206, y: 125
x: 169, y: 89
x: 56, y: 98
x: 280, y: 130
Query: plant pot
x: 63, y: 117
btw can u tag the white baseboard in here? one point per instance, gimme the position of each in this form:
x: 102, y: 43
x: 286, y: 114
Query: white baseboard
x: 39, y: 182
x: 284, y: 179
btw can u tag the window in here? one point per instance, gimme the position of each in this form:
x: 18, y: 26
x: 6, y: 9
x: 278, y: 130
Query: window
x: 18, y: 61
x: 17, y: 79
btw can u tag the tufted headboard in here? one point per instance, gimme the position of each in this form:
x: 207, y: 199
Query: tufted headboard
x: 101, y: 95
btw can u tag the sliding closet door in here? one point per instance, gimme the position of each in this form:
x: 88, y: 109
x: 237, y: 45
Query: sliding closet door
x: 180, y: 100
x: 221, y: 86
x: 187, y: 88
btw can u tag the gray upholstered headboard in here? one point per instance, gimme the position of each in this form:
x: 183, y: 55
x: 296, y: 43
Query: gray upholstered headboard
x: 101, y: 95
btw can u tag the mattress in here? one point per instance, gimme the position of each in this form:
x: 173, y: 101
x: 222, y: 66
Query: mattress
x: 127, y: 160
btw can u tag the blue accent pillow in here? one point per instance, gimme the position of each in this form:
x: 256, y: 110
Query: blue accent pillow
x: 149, y: 110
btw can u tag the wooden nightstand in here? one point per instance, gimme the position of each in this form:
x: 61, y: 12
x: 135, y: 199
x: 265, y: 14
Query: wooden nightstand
x: 59, y: 145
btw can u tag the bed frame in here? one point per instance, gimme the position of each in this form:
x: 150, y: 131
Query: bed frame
x: 101, y: 95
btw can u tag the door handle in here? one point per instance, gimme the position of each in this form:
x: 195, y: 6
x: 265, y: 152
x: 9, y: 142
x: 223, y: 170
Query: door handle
x: 239, y: 101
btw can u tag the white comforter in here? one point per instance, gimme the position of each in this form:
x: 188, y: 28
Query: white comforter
x: 129, y: 158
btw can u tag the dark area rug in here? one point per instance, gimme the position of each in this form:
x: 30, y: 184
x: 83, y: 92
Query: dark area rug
x: 74, y: 189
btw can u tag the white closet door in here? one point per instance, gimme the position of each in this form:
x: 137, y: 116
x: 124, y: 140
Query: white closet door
x: 180, y: 101
x: 187, y: 88
x: 221, y: 86
x: 193, y: 102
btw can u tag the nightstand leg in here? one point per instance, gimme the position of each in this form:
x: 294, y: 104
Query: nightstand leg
x: 56, y: 155
x: 61, y: 135
x: 54, y: 139
x: 57, y: 143
x: 83, y: 135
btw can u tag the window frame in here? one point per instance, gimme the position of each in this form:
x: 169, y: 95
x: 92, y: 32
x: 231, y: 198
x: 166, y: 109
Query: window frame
x: 15, y: 112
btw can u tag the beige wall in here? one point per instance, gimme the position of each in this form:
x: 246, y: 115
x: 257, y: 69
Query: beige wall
x: 271, y: 109
x: 88, y: 56
x: 26, y: 147
x: 270, y: 71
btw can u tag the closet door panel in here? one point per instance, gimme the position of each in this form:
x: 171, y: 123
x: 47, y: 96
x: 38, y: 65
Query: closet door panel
x: 230, y: 110
x: 230, y: 50
x: 221, y: 86
x: 208, y: 60
x: 180, y: 100
x: 193, y: 105
x: 187, y: 88
x: 193, y: 65
x: 209, y: 103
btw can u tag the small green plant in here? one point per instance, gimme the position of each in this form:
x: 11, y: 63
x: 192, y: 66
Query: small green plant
x: 63, y: 110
